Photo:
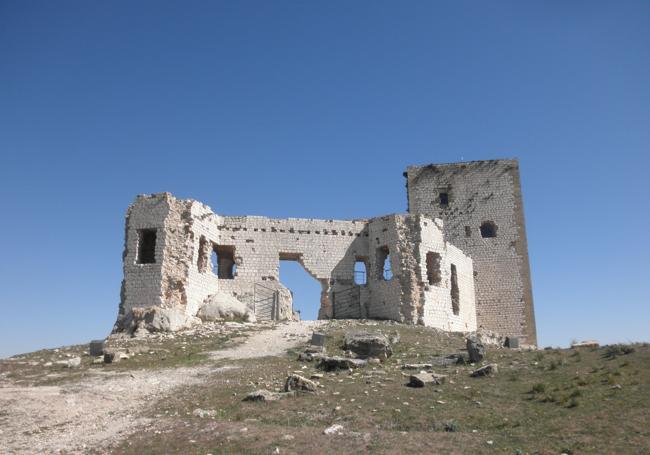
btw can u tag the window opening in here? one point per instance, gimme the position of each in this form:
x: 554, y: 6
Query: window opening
x: 384, y: 271
x: 433, y: 268
x: 360, y: 277
x: 223, y: 262
x: 488, y: 229
x: 146, y: 246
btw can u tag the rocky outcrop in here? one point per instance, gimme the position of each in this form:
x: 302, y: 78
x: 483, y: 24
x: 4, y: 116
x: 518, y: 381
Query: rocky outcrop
x: 368, y: 345
x: 155, y: 319
x: 224, y: 307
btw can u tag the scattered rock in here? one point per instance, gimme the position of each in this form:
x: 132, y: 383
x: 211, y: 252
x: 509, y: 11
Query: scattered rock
x: 424, y: 379
x: 487, y: 370
x: 340, y: 363
x: 74, y: 362
x: 366, y: 344
x: 335, y: 429
x: 202, y: 413
x: 475, y: 349
x: 296, y: 383
x: 417, y: 366
x: 263, y: 395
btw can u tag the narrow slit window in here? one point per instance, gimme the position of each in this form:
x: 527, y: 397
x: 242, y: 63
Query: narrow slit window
x: 468, y: 231
x: 204, y: 252
x: 146, y: 246
x: 433, y: 268
x: 384, y: 271
x: 360, y: 277
x: 455, y: 292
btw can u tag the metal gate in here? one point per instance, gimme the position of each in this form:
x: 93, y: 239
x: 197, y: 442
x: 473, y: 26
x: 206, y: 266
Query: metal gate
x: 346, y: 303
x: 266, y: 303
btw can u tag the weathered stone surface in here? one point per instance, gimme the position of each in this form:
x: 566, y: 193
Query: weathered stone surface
x: 296, y: 383
x: 366, y: 344
x: 224, y: 307
x: 96, y: 348
x: 424, y: 379
x: 335, y: 429
x: 475, y: 350
x: 340, y: 363
x: 487, y: 370
x: 157, y: 319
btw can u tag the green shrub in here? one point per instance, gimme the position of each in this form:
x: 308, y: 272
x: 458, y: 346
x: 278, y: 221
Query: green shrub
x: 615, y: 350
x: 540, y: 387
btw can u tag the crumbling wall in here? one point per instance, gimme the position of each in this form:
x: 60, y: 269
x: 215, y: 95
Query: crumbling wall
x: 182, y: 275
x: 467, y: 196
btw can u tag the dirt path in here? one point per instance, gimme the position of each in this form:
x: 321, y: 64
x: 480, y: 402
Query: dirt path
x: 271, y: 342
x: 102, y: 409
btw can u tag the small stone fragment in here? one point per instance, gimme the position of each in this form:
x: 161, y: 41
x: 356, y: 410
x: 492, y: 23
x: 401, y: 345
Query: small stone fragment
x: 487, y: 370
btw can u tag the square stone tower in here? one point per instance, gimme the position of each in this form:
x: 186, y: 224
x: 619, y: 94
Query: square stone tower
x: 481, y: 205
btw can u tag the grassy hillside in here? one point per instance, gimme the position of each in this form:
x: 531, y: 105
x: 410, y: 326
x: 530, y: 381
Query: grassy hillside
x: 546, y: 402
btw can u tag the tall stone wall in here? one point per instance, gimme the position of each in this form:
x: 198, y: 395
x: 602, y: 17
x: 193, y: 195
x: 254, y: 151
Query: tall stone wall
x: 467, y: 196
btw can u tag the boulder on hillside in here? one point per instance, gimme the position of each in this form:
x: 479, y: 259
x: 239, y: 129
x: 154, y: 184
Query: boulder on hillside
x: 296, y: 383
x: 224, y: 307
x: 424, y: 379
x: 154, y: 319
x: 475, y: 349
x: 366, y: 345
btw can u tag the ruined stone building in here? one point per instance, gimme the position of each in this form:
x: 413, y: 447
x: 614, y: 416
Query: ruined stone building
x: 456, y: 261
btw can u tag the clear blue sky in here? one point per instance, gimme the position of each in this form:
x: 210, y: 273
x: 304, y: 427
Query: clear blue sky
x: 314, y: 109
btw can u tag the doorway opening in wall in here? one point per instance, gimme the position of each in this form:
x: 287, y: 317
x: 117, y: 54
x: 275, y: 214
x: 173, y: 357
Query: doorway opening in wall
x: 305, y: 289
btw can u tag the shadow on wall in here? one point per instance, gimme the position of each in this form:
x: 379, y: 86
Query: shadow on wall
x: 305, y: 288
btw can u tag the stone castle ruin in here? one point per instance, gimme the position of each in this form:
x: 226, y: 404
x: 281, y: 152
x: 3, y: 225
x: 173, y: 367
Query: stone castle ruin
x: 457, y: 261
